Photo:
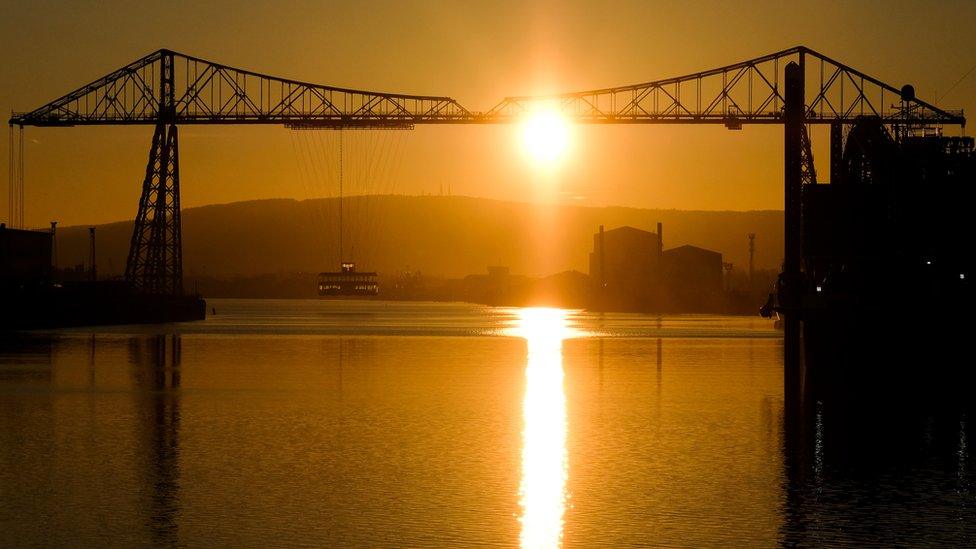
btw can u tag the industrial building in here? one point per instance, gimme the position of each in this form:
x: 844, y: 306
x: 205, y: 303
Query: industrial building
x: 693, y: 277
x: 626, y: 258
x: 631, y: 270
x: 25, y: 256
x: 35, y: 295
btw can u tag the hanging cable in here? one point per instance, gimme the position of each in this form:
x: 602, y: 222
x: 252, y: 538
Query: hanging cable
x: 20, y: 195
x: 939, y: 98
x: 383, y: 183
x: 327, y: 169
x: 316, y: 176
x: 303, y: 175
x: 340, y: 196
x: 393, y: 161
x: 10, y: 176
x: 363, y: 161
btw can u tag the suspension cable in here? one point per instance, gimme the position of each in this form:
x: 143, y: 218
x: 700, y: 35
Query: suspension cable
x: 10, y: 176
x: 20, y: 194
x: 340, y: 198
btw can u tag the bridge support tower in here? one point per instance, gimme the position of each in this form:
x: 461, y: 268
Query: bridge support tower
x: 155, y: 263
x: 836, y: 152
x: 792, y: 281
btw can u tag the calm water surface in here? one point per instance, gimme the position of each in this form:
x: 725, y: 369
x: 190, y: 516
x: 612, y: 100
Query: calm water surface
x: 348, y: 424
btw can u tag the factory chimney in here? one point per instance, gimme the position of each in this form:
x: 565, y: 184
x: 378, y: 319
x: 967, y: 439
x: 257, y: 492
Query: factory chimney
x: 92, y: 273
x: 603, y: 276
x: 660, y: 240
x: 54, y: 244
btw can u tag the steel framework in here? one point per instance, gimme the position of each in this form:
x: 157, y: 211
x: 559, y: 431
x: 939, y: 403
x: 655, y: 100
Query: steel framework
x: 155, y: 263
x: 750, y: 92
x: 165, y: 89
x: 204, y: 92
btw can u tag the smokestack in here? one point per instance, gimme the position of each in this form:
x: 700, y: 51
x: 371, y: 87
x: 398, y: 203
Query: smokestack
x: 603, y: 278
x: 92, y: 274
x: 54, y: 244
x: 660, y: 239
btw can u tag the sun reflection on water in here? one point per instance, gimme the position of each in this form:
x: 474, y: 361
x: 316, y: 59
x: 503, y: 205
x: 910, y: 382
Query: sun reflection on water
x: 542, y: 492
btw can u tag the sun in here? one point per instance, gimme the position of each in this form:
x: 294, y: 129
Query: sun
x: 545, y: 136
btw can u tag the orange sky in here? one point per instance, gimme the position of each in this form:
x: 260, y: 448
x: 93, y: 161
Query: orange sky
x: 476, y: 54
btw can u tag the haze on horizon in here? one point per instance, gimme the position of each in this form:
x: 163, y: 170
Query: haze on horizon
x: 476, y: 54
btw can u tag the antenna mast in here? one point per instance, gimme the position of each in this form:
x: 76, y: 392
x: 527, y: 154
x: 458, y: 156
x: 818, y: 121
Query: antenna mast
x: 752, y: 253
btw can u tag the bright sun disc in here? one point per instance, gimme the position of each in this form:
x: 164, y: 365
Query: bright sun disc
x: 545, y: 136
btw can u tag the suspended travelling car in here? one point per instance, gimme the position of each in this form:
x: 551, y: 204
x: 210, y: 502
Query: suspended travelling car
x: 348, y: 282
x: 368, y: 161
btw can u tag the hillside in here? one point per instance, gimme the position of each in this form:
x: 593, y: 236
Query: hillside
x: 440, y: 235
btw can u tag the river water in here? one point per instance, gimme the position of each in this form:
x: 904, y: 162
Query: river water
x: 353, y: 424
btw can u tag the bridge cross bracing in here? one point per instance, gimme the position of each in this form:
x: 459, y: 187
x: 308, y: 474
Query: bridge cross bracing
x: 749, y: 92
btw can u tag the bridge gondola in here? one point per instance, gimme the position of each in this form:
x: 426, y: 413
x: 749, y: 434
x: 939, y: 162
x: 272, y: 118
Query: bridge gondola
x: 366, y: 162
x: 348, y: 282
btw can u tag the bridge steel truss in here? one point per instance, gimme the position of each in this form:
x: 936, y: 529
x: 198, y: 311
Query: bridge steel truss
x: 750, y: 92
x: 166, y: 89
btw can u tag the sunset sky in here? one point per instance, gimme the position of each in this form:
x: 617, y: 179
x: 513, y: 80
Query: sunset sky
x: 476, y: 54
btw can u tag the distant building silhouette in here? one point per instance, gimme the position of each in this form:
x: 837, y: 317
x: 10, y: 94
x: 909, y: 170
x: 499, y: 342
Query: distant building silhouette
x: 693, y: 277
x: 498, y: 273
x: 492, y: 288
x: 25, y: 256
x: 630, y: 270
x: 36, y: 294
x: 629, y: 257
